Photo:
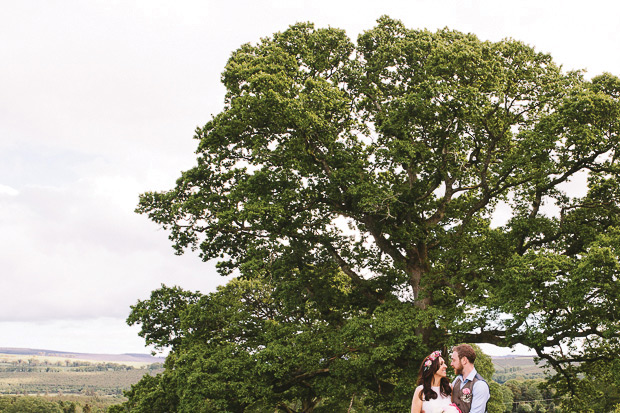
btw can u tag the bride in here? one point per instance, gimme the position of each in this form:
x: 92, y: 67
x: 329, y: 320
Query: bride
x: 433, y: 393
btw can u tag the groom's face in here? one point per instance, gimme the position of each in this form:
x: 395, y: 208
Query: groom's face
x: 456, y: 363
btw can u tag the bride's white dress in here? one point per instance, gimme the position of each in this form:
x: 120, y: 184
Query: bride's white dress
x: 434, y: 405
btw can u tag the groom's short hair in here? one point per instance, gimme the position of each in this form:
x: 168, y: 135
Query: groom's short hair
x: 465, y: 350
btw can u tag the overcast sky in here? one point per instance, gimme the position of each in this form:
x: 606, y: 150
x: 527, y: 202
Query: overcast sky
x: 98, y: 103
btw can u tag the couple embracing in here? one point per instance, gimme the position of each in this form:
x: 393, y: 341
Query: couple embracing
x: 468, y: 393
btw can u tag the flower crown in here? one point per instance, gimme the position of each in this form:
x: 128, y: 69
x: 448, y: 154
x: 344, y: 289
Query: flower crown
x: 432, y: 357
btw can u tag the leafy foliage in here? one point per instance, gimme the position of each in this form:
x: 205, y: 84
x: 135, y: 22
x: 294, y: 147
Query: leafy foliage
x: 243, y: 352
x: 25, y: 404
x: 353, y: 187
x: 162, y: 316
x: 595, y: 386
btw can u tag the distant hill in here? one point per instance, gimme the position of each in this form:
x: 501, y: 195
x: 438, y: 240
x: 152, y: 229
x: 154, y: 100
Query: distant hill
x: 112, y: 358
x: 517, y: 367
x: 506, y: 367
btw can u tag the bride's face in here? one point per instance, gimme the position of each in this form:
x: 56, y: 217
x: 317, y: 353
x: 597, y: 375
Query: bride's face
x: 442, y: 371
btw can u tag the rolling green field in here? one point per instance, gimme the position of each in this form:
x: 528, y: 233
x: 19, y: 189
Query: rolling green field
x: 517, y: 367
x: 105, y: 383
x: 37, y: 375
x: 40, y: 375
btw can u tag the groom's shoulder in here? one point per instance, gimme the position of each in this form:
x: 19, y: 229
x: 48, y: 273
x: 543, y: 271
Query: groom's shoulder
x: 479, y: 377
x: 480, y: 381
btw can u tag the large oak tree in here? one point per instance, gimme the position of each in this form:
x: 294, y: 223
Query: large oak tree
x: 362, y: 185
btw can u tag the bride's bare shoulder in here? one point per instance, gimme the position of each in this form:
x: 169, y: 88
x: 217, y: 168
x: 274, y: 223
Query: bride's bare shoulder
x: 418, y: 390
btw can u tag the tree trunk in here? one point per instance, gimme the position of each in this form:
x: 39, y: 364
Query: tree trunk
x: 416, y: 268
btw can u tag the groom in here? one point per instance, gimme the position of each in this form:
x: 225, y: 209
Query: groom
x: 469, y: 390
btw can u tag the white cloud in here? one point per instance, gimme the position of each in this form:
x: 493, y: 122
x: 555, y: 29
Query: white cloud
x: 81, y: 252
x: 103, y: 335
x: 99, y: 103
x: 7, y: 190
x: 517, y: 350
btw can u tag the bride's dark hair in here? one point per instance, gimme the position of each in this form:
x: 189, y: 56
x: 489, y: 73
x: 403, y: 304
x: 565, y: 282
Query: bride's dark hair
x: 425, y: 378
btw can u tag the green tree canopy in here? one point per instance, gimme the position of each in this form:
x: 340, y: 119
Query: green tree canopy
x: 27, y: 404
x: 360, y: 180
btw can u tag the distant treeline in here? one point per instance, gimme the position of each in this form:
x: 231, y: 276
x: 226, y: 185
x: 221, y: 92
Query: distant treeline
x: 107, y: 382
x: 523, y: 396
x: 518, y: 373
x: 35, y: 404
x: 34, y: 365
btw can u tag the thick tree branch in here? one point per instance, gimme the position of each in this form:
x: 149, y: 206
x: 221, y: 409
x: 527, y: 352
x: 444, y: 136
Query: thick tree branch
x: 299, y: 378
x: 355, y: 278
x: 497, y: 337
x: 384, y: 245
